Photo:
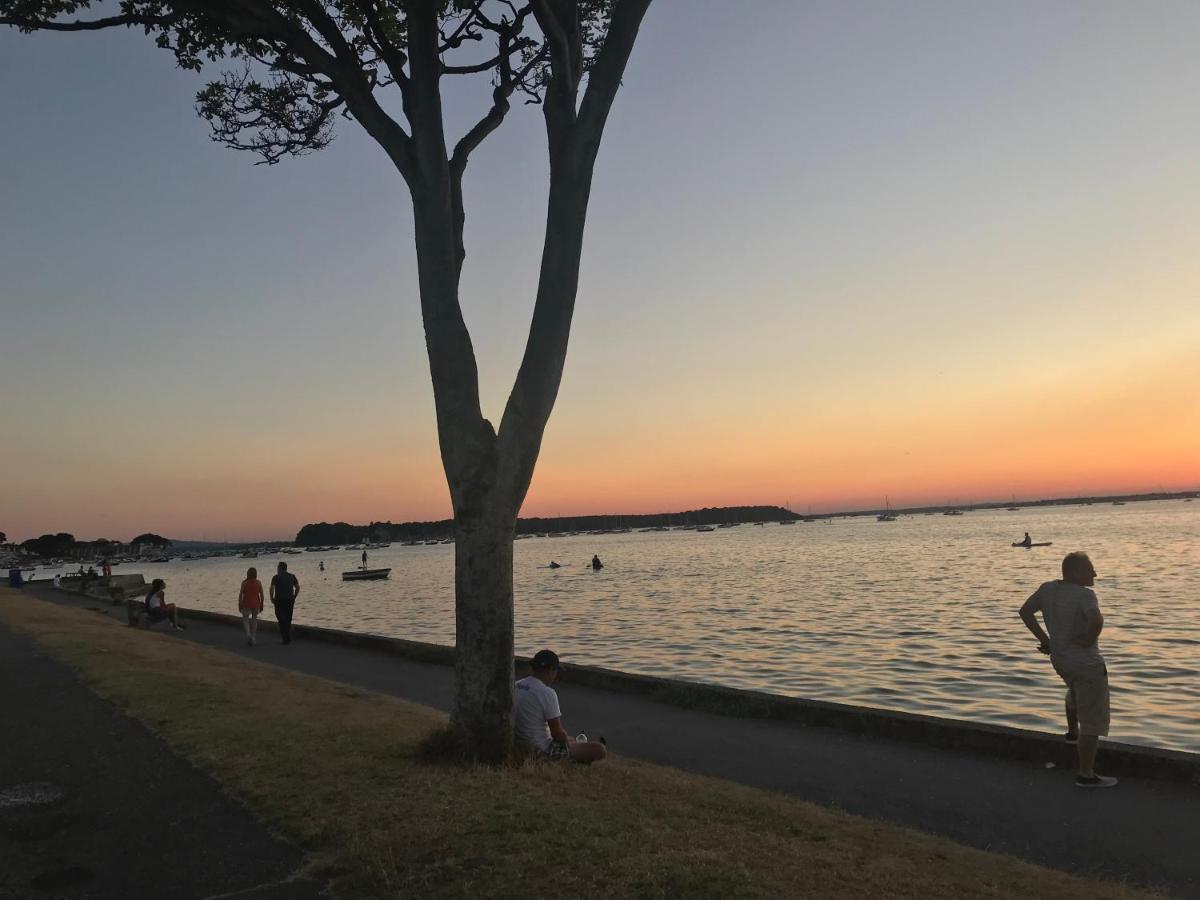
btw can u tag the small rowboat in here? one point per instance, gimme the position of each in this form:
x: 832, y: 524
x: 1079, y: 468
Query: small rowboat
x: 1027, y: 546
x: 365, y: 574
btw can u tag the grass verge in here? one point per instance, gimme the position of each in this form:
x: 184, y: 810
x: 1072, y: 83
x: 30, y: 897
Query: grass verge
x: 337, y: 769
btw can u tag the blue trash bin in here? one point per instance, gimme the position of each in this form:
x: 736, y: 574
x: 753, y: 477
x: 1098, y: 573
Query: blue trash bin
x: 14, y: 578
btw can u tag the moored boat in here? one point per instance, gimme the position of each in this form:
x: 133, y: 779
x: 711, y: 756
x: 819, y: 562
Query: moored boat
x: 365, y: 574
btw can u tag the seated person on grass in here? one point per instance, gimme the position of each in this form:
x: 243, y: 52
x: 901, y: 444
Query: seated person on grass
x: 157, y: 608
x: 538, y: 719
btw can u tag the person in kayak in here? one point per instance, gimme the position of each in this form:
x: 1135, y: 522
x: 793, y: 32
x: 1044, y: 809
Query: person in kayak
x: 596, y: 564
x: 1028, y: 542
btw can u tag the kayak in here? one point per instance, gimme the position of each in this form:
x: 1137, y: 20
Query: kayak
x: 1027, y: 546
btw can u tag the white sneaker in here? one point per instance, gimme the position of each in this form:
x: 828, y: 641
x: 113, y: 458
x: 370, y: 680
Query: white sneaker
x: 1096, y: 781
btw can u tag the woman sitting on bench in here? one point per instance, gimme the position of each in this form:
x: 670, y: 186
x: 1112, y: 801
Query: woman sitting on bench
x: 157, y: 608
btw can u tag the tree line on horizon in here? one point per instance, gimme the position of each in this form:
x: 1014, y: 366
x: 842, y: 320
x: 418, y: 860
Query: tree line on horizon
x: 64, y: 544
x: 321, y: 534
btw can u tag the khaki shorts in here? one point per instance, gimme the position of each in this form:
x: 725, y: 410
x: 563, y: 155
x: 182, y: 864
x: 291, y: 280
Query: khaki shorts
x: 1087, y: 691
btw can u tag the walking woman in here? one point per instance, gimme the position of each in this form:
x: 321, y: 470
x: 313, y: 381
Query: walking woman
x: 250, y: 604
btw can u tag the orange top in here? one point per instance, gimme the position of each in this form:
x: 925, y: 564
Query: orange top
x: 252, y: 595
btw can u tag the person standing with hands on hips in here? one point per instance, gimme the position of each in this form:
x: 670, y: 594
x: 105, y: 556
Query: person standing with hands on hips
x: 285, y: 588
x: 1072, y: 614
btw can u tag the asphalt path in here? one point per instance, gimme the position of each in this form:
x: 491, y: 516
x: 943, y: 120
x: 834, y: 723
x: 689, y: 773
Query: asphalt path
x: 92, y: 804
x: 1144, y: 831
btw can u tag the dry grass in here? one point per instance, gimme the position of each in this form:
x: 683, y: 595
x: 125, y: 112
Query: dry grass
x: 336, y: 769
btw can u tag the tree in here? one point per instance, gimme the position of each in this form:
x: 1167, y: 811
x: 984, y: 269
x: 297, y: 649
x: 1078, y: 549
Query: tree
x: 3, y: 538
x: 49, y: 545
x: 149, y: 539
x: 305, y: 62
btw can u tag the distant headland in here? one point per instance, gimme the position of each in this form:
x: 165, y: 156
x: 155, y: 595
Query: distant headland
x: 323, y: 533
x: 327, y: 533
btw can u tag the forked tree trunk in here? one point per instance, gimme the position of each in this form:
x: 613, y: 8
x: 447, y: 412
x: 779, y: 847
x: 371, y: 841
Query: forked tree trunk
x: 483, y: 618
x: 489, y: 470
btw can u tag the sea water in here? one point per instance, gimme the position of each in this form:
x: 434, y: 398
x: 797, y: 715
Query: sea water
x: 918, y: 614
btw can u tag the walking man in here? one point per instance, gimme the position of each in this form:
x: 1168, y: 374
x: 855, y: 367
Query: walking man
x: 1072, y: 615
x: 284, y: 591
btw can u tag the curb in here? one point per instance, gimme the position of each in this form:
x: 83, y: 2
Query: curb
x: 1131, y: 760
x: 931, y: 731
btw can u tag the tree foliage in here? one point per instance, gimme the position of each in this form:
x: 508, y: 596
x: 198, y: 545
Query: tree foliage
x: 298, y: 65
x: 50, y: 544
x: 149, y: 539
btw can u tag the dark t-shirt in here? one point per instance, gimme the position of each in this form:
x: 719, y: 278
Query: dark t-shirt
x: 285, y: 585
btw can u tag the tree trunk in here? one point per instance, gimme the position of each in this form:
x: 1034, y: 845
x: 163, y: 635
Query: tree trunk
x: 483, y: 615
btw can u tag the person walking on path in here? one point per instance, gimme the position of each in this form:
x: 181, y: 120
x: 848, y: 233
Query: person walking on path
x: 284, y: 591
x: 157, y: 607
x: 250, y: 604
x: 538, y: 718
x: 1072, y: 615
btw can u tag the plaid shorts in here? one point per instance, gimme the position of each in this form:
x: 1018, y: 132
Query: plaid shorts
x: 557, y: 750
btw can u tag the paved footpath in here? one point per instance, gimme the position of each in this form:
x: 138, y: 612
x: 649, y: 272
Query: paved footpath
x: 1144, y: 831
x: 123, y: 817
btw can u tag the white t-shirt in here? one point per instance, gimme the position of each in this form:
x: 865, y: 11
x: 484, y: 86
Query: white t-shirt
x: 1064, y: 606
x: 536, y: 703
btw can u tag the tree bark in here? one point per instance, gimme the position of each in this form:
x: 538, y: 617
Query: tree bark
x: 483, y: 616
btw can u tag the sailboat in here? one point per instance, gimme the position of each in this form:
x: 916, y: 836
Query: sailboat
x: 887, y: 515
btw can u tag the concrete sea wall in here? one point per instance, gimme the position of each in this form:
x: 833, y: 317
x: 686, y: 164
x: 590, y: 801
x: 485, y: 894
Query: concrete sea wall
x: 952, y: 734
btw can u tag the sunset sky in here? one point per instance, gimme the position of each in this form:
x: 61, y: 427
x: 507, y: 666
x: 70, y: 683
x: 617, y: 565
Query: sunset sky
x: 835, y: 251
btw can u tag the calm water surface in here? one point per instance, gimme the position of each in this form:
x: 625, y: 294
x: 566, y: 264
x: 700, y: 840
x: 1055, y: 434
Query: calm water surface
x: 917, y: 615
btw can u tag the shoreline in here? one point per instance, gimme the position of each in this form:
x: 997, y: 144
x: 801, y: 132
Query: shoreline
x: 1120, y: 758
x: 686, y: 812
x: 932, y: 731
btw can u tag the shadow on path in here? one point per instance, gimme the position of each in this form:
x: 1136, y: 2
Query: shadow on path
x: 94, y: 805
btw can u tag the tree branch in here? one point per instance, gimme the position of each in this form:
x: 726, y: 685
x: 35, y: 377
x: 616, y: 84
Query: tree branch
x: 605, y: 76
x: 28, y: 25
x: 573, y: 144
x: 475, y: 68
x: 556, y: 35
x: 463, y: 31
x: 394, y: 58
x: 491, y: 121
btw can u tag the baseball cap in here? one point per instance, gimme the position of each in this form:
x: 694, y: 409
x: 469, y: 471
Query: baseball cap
x: 545, y: 659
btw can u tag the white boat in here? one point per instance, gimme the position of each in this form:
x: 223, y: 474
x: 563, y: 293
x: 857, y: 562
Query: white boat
x: 705, y: 528
x: 887, y: 515
x: 365, y: 574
